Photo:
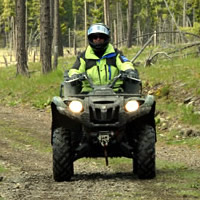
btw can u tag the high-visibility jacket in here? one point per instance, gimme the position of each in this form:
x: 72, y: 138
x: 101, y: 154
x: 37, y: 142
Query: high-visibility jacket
x: 100, y: 70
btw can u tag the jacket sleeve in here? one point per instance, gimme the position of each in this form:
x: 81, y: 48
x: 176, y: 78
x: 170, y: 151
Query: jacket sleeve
x: 78, y: 67
x: 123, y: 63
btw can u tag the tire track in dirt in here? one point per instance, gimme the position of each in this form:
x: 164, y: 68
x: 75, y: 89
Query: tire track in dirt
x: 29, y: 175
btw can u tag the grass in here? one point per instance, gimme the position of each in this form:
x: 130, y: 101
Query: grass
x: 2, y: 169
x: 23, y: 138
x: 39, y: 89
x: 174, y: 138
x: 173, y: 178
x: 36, y: 91
x: 170, y: 80
x: 182, y: 181
x: 173, y: 72
x: 185, y: 113
x: 171, y: 83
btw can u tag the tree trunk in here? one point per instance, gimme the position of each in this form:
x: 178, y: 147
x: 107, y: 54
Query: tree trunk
x: 115, y: 34
x: 58, y: 48
x: 122, y: 25
x: 74, y: 40
x: 45, y: 36
x: 118, y: 30
x: 85, y: 5
x: 22, y: 67
x: 184, y: 13
x: 106, y: 12
x: 130, y: 23
x: 172, y: 16
x: 57, y: 30
x: 52, y: 19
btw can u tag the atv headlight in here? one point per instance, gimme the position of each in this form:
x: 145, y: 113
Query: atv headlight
x: 131, y: 106
x: 76, y: 106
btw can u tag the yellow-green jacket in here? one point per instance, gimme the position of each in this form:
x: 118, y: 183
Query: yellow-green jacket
x: 100, y: 70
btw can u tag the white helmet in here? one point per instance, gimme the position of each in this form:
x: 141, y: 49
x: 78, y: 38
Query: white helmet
x: 104, y: 31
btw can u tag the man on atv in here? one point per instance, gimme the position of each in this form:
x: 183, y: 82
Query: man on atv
x: 102, y: 62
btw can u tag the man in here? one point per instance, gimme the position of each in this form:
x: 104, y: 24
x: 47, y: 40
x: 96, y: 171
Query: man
x: 101, y: 61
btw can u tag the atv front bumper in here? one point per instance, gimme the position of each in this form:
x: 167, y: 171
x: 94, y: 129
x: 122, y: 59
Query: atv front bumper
x: 101, y: 115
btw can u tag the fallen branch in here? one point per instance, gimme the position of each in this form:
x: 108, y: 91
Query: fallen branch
x: 149, y: 61
x: 141, y: 50
x: 186, y: 47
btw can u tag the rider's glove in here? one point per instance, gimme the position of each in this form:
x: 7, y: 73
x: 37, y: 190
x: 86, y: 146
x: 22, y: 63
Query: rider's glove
x: 131, y: 73
x: 78, y: 77
x: 75, y: 76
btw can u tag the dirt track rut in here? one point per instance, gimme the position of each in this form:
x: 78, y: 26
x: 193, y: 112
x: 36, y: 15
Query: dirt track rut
x: 29, y: 175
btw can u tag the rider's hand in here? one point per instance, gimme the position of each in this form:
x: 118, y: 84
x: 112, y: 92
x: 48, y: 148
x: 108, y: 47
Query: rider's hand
x: 75, y: 76
x: 78, y: 77
x: 131, y: 73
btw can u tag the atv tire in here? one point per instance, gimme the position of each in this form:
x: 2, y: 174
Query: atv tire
x: 62, y: 155
x: 144, y: 159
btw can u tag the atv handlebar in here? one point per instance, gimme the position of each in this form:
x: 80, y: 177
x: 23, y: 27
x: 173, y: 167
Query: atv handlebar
x: 76, y: 77
x: 81, y: 77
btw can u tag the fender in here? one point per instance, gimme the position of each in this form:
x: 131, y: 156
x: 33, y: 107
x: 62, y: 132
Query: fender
x: 59, y: 117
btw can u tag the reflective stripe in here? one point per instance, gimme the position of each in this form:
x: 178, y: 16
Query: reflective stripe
x: 109, y: 70
x: 124, y: 58
x: 110, y: 55
x: 106, y: 72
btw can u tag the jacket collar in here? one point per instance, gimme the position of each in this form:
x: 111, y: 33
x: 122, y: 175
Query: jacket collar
x: 109, y: 53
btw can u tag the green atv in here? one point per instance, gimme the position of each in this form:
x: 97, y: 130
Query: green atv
x: 102, y: 123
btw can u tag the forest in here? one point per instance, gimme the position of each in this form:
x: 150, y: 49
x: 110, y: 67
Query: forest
x: 51, y: 25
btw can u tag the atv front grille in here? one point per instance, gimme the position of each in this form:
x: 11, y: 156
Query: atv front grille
x: 104, y: 115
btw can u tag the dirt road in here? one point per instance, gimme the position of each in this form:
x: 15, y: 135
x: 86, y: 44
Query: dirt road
x: 26, y: 160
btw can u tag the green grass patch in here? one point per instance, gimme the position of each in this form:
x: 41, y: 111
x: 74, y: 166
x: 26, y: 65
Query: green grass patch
x: 174, y: 179
x: 174, y: 137
x: 23, y: 138
x: 117, y: 164
x: 181, y: 111
x: 189, y: 116
x: 37, y: 90
x: 179, y: 179
x: 2, y: 169
x: 170, y: 72
x: 166, y: 165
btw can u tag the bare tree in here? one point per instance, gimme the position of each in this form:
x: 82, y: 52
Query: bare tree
x: 173, y: 18
x: 130, y: 23
x: 184, y: 12
x: 45, y: 36
x: 57, y: 39
x: 57, y: 21
x: 21, y: 54
x: 52, y: 17
x: 85, y: 4
x: 74, y: 39
x: 106, y: 12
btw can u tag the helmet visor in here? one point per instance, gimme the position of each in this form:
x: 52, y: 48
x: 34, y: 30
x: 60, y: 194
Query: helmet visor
x: 95, y: 36
x: 98, y: 29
